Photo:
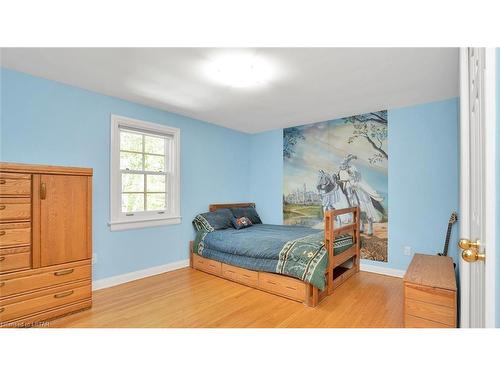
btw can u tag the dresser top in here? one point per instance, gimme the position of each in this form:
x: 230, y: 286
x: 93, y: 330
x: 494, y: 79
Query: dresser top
x: 46, y: 169
x: 431, y: 270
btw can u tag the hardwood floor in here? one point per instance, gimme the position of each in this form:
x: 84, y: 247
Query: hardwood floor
x: 190, y: 298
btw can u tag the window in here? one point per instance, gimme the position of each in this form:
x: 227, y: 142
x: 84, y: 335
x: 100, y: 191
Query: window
x: 144, y: 174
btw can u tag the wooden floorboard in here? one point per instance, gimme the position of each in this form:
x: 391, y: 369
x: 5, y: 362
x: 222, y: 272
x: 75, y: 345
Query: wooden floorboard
x: 190, y: 298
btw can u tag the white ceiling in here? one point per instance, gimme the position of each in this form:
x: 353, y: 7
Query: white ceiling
x: 311, y: 84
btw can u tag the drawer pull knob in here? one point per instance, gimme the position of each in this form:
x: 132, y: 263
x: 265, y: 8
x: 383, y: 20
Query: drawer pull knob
x: 43, y: 190
x: 3, y: 182
x: 64, y: 272
x: 2, y: 309
x: 2, y: 207
x: 2, y: 259
x: 64, y: 294
x: 2, y: 283
x: 2, y: 233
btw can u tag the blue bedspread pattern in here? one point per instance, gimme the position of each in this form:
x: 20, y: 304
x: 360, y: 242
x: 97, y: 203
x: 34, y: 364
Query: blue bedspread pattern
x: 305, y: 258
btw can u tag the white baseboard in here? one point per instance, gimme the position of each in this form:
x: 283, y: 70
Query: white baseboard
x: 382, y: 270
x: 135, y: 275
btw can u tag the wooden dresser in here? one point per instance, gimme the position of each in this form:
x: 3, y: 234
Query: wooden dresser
x: 45, y: 242
x: 430, y: 293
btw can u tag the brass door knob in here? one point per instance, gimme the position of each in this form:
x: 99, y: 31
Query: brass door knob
x: 470, y: 251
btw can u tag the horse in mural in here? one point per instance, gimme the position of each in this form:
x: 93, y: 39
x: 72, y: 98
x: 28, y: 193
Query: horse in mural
x: 332, y: 196
x: 346, y: 188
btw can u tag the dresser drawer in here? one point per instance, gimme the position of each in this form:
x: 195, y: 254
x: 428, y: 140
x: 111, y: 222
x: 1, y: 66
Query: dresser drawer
x: 15, y: 209
x: 283, y: 285
x: 15, y: 234
x: 52, y: 277
x: 14, y: 262
x: 429, y: 311
x: 436, y: 296
x: 15, y: 184
x: 240, y: 275
x: 15, y: 250
x: 207, y: 265
x: 44, y: 301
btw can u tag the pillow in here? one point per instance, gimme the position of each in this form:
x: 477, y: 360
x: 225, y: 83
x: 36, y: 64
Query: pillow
x: 242, y: 222
x: 210, y: 221
x: 248, y: 212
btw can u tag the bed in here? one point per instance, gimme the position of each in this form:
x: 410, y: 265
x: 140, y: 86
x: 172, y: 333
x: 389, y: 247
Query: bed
x: 296, y: 262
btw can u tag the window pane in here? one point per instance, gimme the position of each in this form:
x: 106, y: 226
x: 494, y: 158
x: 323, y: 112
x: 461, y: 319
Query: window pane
x: 132, y: 183
x: 156, y: 201
x: 154, y: 145
x: 130, y: 141
x: 131, y: 161
x: 132, y: 202
x: 154, y: 163
x: 156, y: 183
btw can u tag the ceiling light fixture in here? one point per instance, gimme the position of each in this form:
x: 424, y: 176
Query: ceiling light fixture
x: 239, y: 70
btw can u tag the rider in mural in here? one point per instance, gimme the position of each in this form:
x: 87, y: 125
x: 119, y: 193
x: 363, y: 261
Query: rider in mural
x: 359, y: 193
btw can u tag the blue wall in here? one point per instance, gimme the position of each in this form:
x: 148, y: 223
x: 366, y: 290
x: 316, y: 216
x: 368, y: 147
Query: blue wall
x: 45, y: 122
x: 423, y: 178
x: 266, y: 175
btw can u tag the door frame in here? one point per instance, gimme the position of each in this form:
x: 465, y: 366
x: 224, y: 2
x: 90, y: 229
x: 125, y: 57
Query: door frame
x: 490, y: 188
x: 490, y: 146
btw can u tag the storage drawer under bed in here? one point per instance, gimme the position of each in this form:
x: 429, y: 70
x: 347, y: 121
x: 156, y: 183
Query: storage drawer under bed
x: 240, y: 275
x: 283, y: 285
x: 207, y: 265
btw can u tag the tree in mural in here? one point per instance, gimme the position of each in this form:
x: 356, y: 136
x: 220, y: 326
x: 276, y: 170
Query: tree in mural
x: 290, y: 138
x: 373, y: 128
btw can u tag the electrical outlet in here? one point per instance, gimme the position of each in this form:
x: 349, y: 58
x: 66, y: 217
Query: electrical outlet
x: 407, y: 250
x: 94, y: 258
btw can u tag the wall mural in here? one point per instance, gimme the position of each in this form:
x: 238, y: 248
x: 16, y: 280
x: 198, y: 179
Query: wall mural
x: 337, y: 164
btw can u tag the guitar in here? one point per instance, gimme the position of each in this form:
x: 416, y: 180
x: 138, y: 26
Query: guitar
x: 453, y: 219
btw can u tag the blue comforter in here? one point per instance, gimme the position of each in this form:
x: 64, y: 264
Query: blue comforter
x: 258, y: 241
x: 295, y: 251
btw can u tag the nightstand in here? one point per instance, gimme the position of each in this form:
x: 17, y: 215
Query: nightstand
x: 430, y: 293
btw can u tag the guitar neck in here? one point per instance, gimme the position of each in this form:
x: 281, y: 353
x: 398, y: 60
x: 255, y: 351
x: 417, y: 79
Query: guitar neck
x: 447, y: 241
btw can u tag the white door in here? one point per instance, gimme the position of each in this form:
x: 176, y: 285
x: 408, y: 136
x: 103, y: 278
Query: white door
x: 477, y: 188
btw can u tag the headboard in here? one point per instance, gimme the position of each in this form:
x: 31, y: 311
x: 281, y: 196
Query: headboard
x: 215, y: 206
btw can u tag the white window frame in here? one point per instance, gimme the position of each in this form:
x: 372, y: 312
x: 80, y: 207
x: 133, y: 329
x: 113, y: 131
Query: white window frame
x: 118, y: 219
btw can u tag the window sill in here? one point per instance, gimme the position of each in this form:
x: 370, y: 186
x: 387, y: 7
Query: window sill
x: 144, y: 223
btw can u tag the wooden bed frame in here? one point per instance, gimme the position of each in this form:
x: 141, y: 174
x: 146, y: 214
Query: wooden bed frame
x: 336, y: 273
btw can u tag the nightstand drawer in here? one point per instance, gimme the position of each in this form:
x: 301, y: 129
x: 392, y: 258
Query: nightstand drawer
x: 416, y: 322
x: 436, y: 296
x: 429, y: 311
